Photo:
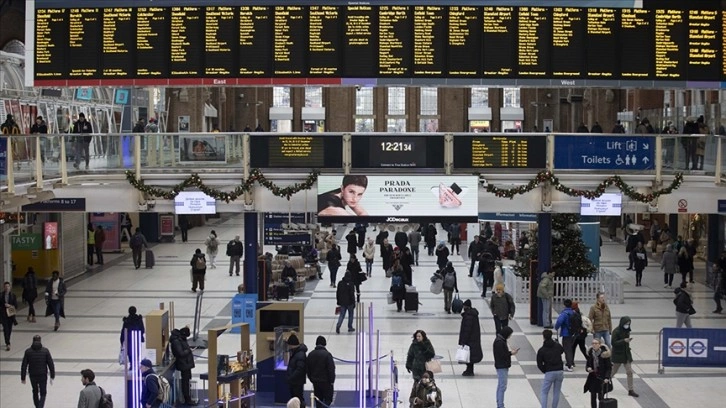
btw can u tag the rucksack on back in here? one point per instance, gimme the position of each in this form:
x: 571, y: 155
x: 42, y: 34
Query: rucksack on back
x: 136, y: 241
x: 106, y: 400
x: 164, y: 388
x: 397, y: 281
x: 200, y: 263
x: 213, y: 244
x: 575, y: 321
x: 449, y: 281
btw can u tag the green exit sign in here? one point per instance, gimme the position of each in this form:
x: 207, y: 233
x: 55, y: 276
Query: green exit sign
x: 26, y: 242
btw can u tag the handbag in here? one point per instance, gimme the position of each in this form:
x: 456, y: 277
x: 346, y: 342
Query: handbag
x: 434, y: 366
x: 389, y: 273
x: 337, y: 310
x: 607, y: 386
x: 389, y: 298
x: 691, y: 310
x: 10, y: 311
x: 463, y: 354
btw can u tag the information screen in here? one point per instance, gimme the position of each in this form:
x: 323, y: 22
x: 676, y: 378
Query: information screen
x: 398, y: 151
x: 608, y: 204
x: 297, y: 151
x: 499, y: 152
x: 152, y: 39
x: 275, y: 234
x: 187, y: 44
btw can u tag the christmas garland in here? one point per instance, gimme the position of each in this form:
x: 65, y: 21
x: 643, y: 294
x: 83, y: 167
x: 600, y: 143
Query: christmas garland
x: 547, y: 176
x: 195, y: 181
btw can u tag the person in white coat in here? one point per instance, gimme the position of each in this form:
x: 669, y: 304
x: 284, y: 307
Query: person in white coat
x: 369, y: 252
x: 212, y: 244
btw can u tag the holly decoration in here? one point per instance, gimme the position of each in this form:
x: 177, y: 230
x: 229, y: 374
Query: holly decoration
x: 194, y: 181
x: 546, y: 176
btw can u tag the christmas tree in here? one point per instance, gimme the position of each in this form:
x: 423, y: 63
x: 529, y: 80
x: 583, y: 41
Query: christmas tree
x: 569, y: 253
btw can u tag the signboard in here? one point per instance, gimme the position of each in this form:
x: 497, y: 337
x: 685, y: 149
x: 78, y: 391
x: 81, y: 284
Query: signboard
x: 274, y: 234
x: 605, y: 205
x: 514, y: 217
x: 398, y: 151
x: 693, y: 347
x: 397, y: 198
x: 26, y: 242
x: 166, y: 225
x: 297, y: 151
x: 57, y: 205
x: 497, y: 152
x: 202, y: 148
x: 109, y: 222
x: 682, y: 205
x: 194, y: 202
x: 604, y: 152
x: 50, y: 235
x: 244, y: 309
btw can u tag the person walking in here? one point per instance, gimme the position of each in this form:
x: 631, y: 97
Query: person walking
x: 235, y: 250
x: 345, y: 297
x: 442, y: 255
x: 470, y: 335
x: 502, y: 362
x: 184, y: 360
x: 386, y: 255
x: 455, y: 237
x: 425, y: 393
x: 414, y: 239
x: 621, y: 354
x: 369, y: 253
x: 640, y: 261
x: 684, y: 306
x: 398, y: 284
x: 296, y: 367
x: 356, y: 272
x: 545, y: 293
x: 333, y: 259
x: 7, y: 315
x: 352, y: 243
x: 137, y: 243
x: 150, y: 386
x: 184, y: 227
x: 360, y: 230
x: 199, y: 269
x: 419, y: 352
x: 90, y: 396
x: 719, y: 281
x: 321, y: 371
x: 502, y: 307
x: 579, y: 334
x: 549, y: 361
x: 430, y: 238
x: 82, y: 142
x: 568, y: 339
x: 669, y: 265
x: 212, y: 247
x: 599, y: 368
x: 37, y: 363
x: 684, y: 263
x: 449, y: 286
x: 55, y: 292
x: 601, y: 319
x: 30, y: 292
x: 476, y: 247
x: 132, y: 322
x: 99, y: 238
x: 90, y: 243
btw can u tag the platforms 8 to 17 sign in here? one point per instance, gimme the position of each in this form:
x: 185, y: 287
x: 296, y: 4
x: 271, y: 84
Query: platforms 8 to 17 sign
x: 604, y: 152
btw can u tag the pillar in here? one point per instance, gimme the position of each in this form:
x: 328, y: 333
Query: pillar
x: 544, y: 262
x: 590, y: 226
x: 250, y: 238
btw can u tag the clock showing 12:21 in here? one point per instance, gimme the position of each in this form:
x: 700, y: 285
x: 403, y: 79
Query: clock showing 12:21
x: 397, y: 146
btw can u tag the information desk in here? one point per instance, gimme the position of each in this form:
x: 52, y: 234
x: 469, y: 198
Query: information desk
x: 242, y: 387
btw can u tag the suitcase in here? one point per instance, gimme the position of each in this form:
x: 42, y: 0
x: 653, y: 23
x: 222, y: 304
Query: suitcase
x: 282, y: 292
x: 609, y: 403
x: 149, y: 259
x: 410, y: 301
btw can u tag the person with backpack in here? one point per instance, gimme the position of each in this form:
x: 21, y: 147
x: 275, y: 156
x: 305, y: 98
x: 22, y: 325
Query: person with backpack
x: 450, y: 285
x: 212, y: 244
x: 151, y: 393
x: 199, y: 269
x: 90, y: 396
x: 398, y: 284
x: 30, y: 292
x: 502, y: 306
x: 235, y: 250
x: 137, y: 243
x: 565, y: 325
x: 184, y: 360
x: 345, y: 297
x: 580, y: 335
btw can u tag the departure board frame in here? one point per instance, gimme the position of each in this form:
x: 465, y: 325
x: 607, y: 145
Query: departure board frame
x: 483, y: 151
x: 666, y: 43
x: 297, y: 151
x: 397, y: 151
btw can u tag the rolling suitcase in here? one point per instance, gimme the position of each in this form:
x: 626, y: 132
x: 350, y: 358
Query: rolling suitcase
x: 149, y: 259
x: 410, y: 301
x: 282, y: 292
x: 609, y: 403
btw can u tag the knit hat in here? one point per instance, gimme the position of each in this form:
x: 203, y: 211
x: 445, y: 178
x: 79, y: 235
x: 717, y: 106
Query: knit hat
x: 320, y: 341
x: 293, y: 340
x: 467, y: 303
x: 184, y: 331
x: 146, y: 363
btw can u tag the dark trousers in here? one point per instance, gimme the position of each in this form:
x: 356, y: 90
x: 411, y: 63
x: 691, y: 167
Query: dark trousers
x: 568, y: 343
x: 638, y: 276
x: 91, y: 249
x: 471, y: 267
x: 197, y: 279
x: 668, y: 279
x: 40, y: 387
x: 31, y: 307
x: 55, y: 305
x: 499, y: 323
x: 596, y: 396
x: 717, y: 299
x: 414, y: 252
x: 399, y: 304
x: 296, y: 390
x: 469, y: 368
x: 136, y: 255
x: 186, y: 376
x: 579, y: 341
x: 234, y: 263
x: 324, y: 392
x: 631, y: 259
x: 184, y: 234
x: 333, y: 273
x: 7, y: 328
x: 99, y: 254
x: 455, y: 245
x: 687, y: 273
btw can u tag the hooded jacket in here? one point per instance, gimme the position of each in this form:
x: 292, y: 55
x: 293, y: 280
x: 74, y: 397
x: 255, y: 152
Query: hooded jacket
x: 133, y: 322
x: 296, y: 369
x: 345, y: 293
x: 621, y: 348
x: 419, y: 352
x: 604, y: 369
x: 502, y: 355
x: 320, y: 366
x: 181, y: 350
x: 333, y: 257
x: 37, y: 361
x: 683, y: 300
x: 470, y: 334
x: 549, y: 356
x: 546, y: 288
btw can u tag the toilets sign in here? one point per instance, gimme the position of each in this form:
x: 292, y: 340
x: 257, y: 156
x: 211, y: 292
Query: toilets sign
x: 604, y: 152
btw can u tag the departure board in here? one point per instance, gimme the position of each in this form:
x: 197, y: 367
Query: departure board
x: 398, y: 152
x: 165, y: 42
x: 118, y: 42
x: 186, y: 41
x: 499, y: 151
x: 297, y: 151
x: 464, y: 36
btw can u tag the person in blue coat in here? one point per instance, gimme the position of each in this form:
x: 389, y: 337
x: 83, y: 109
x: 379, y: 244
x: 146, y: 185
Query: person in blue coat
x: 563, y: 325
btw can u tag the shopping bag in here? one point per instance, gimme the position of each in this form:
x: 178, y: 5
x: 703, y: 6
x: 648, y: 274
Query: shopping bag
x: 462, y: 354
x: 121, y: 356
x: 437, y: 286
x: 434, y: 366
x: 389, y: 298
x: 337, y: 310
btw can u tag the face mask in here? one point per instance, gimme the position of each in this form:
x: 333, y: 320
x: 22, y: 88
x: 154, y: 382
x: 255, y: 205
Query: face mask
x: 425, y: 380
x: 626, y: 326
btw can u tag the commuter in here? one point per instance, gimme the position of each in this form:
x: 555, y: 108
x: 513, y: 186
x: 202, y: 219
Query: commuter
x: 199, y: 269
x: 386, y: 255
x: 184, y: 227
x: 55, y: 292
x: 655, y: 231
x: 352, y: 243
x: 37, y: 361
x: 407, y: 262
x: 321, y: 371
x: 212, y: 248
x: 502, y: 362
x: 546, y: 292
x: 621, y: 352
x: 183, y: 360
x: 601, y: 319
x: 719, y: 281
x: 132, y: 322
x: 7, y: 315
x: 487, y: 233
x: 151, y: 127
x: 30, y: 292
x: 684, y: 263
x: 684, y: 305
x: 137, y: 243
x: 599, y: 368
x: 414, y: 239
x: 398, y: 284
x: 419, y: 352
x: 665, y: 237
x: 449, y: 286
x: 425, y: 393
x: 400, y: 239
x: 40, y: 128
x: 579, y: 335
x: 139, y: 127
x: 345, y: 296
x: 568, y: 339
x: 10, y: 126
x: 150, y: 387
x: 369, y: 253
x: 356, y: 272
x: 476, y: 247
x: 90, y: 243
x: 235, y: 251
x: 296, y: 367
x: 99, y: 239
x: 455, y: 237
x: 90, y: 396
x: 430, y: 238
x: 582, y: 128
x: 509, y: 251
x: 442, y: 255
x: 640, y: 261
x: 83, y: 142
x: 523, y: 243
x: 691, y: 249
x: 382, y: 235
x: 289, y: 276
x: 632, y: 243
x: 596, y: 128
x: 502, y: 307
x: 333, y: 258
x: 360, y: 230
x: 669, y: 265
x: 549, y: 361
x: 470, y: 335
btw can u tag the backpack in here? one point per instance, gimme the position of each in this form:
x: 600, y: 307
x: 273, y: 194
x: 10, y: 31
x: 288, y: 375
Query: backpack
x: 106, y: 400
x: 449, y: 281
x: 213, y: 244
x: 397, y: 281
x: 164, y: 388
x: 136, y: 241
x: 200, y: 263
x: 575, y: 323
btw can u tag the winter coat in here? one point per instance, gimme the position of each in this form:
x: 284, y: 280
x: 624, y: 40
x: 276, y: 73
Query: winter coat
x: 470, y: 334
x: 430, y: 236
x: 288, y: 272
x: 546, y: 288
x: 549, y: 356
x: 399, y: 292
x: 37, y: 361
x: 640, y: 259
x: 621, y: 348
x: 502, y: 355
x: 595, y: 379
x: 333, y: 258
x: 387, y: 256
x: 442, y: 256
x: 352, y: 243
x: 669, y: 262
x: 30, y: 287
x: 193, y: 263
x: 683, y: 301
x: 401, y: 239
x: 61, y: 297
x: 600, y: 318
x: 502, y: 306
x: 563, y: 322
x: 684, y: 263
x: 422, y: 392
x: 235, y: 248
x: 130, y: 323
x: 90, y: 396
x: 12, y: 300
x: 355, y: 271
x: 369, y: 251
x: 345, y: 293
x: 209, y: 243
x: 99, y: 237
x: 320, y: 366
x: 296, y: 370
x: 419, y: 352
x: 149, y: 387
x: 414, y: 238
x: 181, y: 351
x: 475, y: 249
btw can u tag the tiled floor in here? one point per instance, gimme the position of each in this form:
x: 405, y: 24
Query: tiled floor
x: 89, y: 336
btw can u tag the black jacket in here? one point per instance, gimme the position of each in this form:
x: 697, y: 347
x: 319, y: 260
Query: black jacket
x: 387, y: 256
x: 604, y: 369
x: 193, y: 263
x: 149, y: 388
x: 638, y: 263
x: 345, y: 293
x: 502, y: 355
x: 133, y: 322
x: 288, y: 272
x: 296, y: 369
x: 401, y: 239
x: 470, y: 334
x: 320, y: 366
x: 683, y: 301
x: 475, y: 249
x: 355, y: 271
x: 333, y: 258
x: 37, y: 361
x: 442, y: 256
x: 30, y: 287
x: 49, y: 295
x: 83, y: 128
x: 181, y: 350
x: 549, y: 356
x: 12, y: 300
x: 235, y: 248
x: 352, y: 243
x: 36, y: 128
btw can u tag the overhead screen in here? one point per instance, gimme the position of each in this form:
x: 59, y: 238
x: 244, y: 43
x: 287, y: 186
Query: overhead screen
x: 223, y: 42
x: 606, y: 204
x: 194, y: 202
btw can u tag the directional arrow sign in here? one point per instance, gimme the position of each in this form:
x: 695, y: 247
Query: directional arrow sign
x: 603, y: 152
x: 646, y: 146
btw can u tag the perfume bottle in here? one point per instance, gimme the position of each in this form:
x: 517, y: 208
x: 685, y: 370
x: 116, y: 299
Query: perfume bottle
x: 449, y: 196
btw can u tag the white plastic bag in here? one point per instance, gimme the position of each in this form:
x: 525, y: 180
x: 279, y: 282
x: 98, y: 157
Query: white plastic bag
x: 389, y: 298
x: 463, y: 354
x: 437, y: 286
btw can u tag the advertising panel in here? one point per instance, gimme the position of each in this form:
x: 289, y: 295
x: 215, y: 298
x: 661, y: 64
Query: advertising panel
x: 50, y: 235
x: 200, y: 148
x: 109, y: 222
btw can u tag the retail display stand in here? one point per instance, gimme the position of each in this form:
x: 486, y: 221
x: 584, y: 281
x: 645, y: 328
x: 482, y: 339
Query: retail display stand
x: 242, y: 383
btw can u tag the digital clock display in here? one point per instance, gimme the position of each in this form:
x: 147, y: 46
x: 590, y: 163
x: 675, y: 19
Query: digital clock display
x: 401, y: 151
x: 398, y: 146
